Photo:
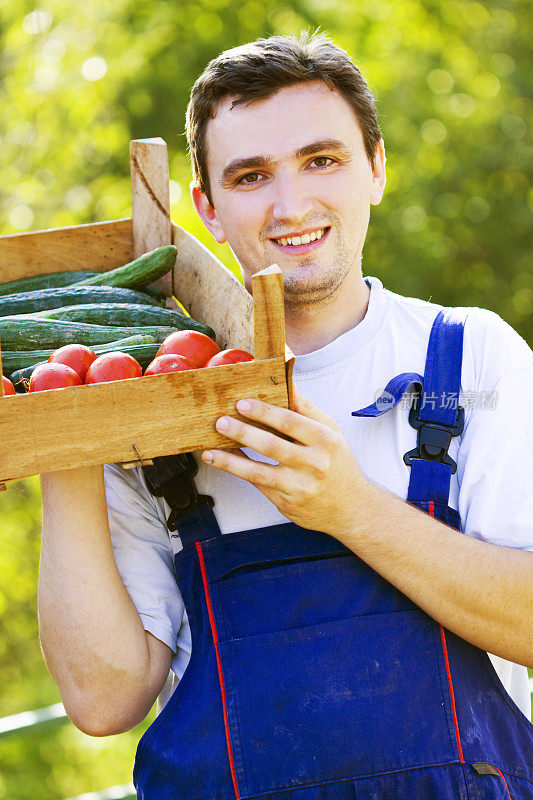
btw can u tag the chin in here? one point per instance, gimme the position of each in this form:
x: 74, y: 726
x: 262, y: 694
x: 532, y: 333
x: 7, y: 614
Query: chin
x: 298, y: 294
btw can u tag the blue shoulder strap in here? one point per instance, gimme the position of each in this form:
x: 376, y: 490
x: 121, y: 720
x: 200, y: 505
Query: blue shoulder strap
x: 435, y: 414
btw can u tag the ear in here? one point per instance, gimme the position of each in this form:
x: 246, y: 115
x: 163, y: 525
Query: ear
x: 207, y: 213
x: 379, y: 177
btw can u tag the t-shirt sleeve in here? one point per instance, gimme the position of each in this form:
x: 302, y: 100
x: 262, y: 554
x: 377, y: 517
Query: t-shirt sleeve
x: 143, y: 553
x: 495, y: 467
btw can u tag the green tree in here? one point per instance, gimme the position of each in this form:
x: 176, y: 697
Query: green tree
x: 452, y: 82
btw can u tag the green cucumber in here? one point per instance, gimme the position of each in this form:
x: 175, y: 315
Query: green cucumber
x: 47, y: 280
x: 138, y: 273
x: 26, y: 332
x: 126, y: 314
x: 156, y: 294
x: 20, y: 364
x: 44, y: 299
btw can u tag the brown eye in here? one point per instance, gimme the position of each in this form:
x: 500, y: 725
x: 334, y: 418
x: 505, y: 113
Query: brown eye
x: 251, y: 177
x: 322, y: 161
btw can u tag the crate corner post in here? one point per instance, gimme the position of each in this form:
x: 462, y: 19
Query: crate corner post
x: 269, y: 322
x: 269, y: 313
x: 150, y: 200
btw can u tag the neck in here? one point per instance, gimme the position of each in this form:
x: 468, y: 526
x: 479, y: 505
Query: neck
x: 310, y: 327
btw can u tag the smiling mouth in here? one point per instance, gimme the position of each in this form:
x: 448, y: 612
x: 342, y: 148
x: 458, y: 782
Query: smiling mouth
x: 302, y: 239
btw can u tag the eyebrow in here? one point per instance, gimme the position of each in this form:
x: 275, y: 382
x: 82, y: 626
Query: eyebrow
x: 264, y: 162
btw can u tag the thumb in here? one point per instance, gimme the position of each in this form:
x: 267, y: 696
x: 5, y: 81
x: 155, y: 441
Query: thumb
x: 308, y: 409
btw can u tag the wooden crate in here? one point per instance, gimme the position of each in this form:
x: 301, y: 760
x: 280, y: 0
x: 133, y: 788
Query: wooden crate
x: 134, y: 420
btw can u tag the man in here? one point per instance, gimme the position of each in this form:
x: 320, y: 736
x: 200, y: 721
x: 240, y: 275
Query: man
x: 340, y: 635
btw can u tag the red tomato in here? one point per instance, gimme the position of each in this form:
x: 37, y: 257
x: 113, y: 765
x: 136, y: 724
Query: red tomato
x: 195, y: 346
x: 53, y: 376
x: 78, y: 357
x: 168, y: 363
x: 229, y: 357
x: 114, y: 366
x: 8, y: 386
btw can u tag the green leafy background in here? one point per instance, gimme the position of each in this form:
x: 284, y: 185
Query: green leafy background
x: 452, y: 81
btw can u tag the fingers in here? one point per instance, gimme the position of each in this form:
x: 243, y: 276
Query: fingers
x: 308, y: 426
x: 261, y: 441
x: 261, y: 475
x: 314, y: 441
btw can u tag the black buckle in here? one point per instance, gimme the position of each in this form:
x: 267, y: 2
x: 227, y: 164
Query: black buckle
x: 433, y: 438
x: 172, y: 477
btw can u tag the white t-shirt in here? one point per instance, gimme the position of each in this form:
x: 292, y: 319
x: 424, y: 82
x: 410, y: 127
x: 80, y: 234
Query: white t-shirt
x: 492, y: 488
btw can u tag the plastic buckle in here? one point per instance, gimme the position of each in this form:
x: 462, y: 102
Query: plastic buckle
x: 168, y: 468
x: 172, y: 477
x: 433, y: 438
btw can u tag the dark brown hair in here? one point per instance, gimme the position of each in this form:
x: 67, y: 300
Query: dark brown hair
x: 257, y: 70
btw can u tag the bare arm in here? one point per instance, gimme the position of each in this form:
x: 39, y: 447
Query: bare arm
x: 108, y: 669
x: 480, y: 591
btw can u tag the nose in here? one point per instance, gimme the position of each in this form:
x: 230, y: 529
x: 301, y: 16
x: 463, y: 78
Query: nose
x: 291, y: 203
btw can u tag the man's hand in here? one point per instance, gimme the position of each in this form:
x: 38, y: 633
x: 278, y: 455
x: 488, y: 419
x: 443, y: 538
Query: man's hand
x: 316, y: 482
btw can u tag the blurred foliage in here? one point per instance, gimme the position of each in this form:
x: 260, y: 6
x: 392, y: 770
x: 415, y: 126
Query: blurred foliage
x: 453, y: 87
x: 51, y: 761
x: 452, y: 80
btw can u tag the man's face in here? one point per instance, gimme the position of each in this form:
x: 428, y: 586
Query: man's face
x: 292, y: 185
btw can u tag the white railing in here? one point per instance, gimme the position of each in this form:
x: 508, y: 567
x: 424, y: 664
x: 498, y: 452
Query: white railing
x: 30, y: 719
x: 18, y: 723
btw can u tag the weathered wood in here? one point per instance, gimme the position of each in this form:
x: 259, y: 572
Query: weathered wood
x: 146, y: 462
x: 117, y: 421
x: 269, y: 313
x: 98, y: 246
x: 133, y: 420
x: 211, y: 293
x: 150, y: 195
x: 289, y: 366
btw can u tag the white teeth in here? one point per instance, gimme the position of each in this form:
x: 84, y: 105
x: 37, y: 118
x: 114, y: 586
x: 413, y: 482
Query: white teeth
x: 306, y: 238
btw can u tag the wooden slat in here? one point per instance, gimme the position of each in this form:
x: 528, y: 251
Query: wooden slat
x: 211, y: 293
x: 289, y: 367
x: 98, y: 246
x: 150, y: 196
x: 113, y: 422
x: 269, y: 313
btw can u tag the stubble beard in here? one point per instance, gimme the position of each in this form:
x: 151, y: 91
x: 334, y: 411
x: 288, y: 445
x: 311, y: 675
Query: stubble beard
x: 303, y: 289
x: 310, y: 285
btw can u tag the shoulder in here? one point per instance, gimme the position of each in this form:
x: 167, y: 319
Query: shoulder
x: 492, y: 349
x: 127, y: 494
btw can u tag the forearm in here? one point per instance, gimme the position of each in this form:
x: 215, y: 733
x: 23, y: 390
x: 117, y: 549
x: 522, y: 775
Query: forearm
x: 481, y: 592
x: 91, y: 634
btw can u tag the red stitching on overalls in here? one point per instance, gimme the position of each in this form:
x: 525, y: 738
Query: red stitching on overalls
x: 503, y: 778
x: 431, y: 509
x: 219, y: 667
x: 452, y: 696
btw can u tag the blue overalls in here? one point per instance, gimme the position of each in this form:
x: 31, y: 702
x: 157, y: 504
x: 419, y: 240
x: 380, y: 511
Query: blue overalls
x: 313, y: 678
